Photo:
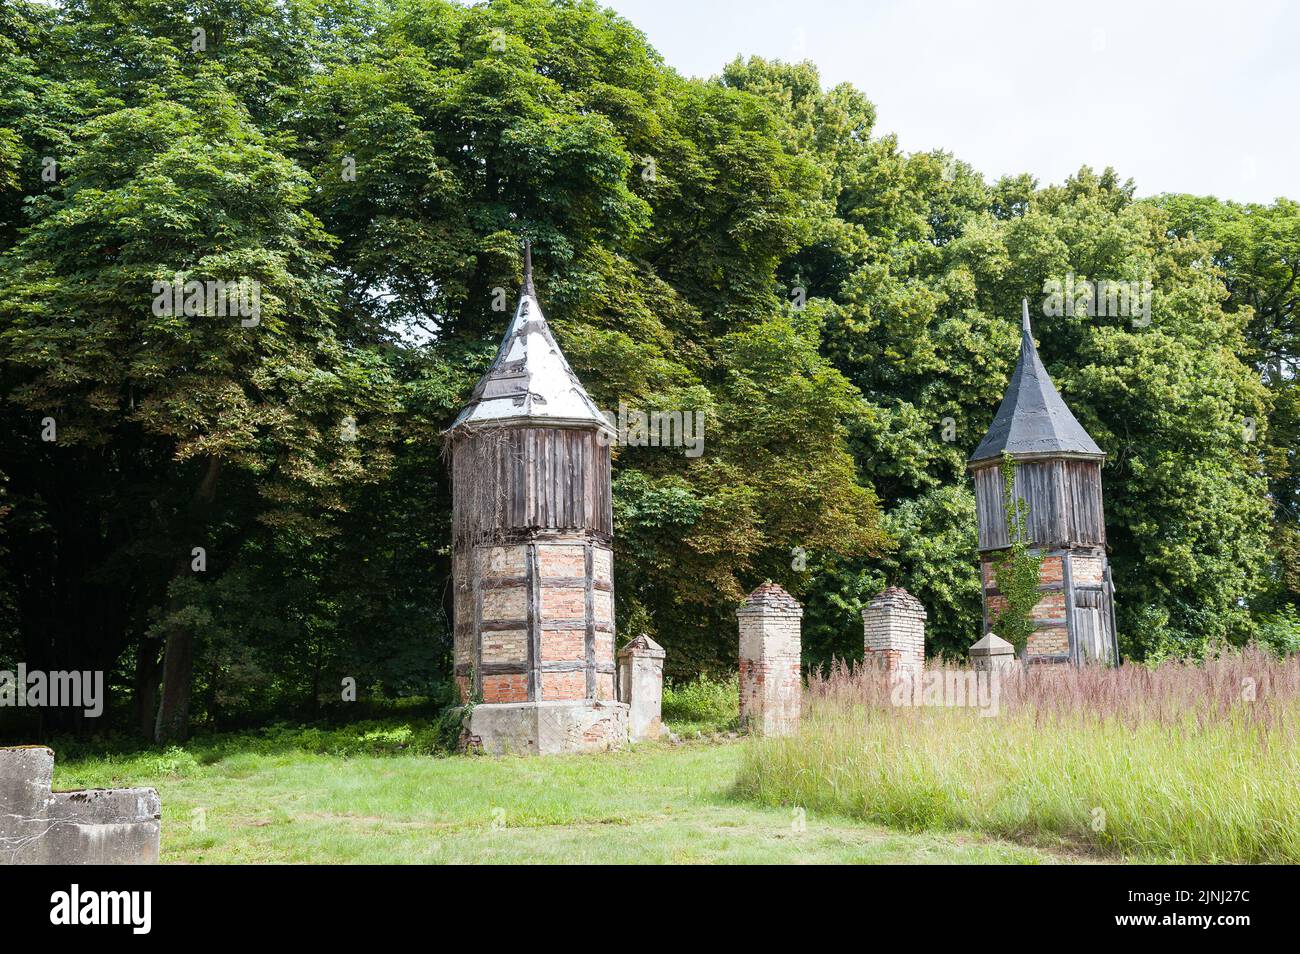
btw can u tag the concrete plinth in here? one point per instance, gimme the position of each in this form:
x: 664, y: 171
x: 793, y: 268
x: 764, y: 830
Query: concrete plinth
x: 91, y: 827
x: 548, y: 728
x: 641, y: 686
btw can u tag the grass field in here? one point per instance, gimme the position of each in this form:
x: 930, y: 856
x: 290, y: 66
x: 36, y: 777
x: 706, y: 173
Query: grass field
x: 656, y: 803
x: 1177, y: 763
x: 1192, y: 764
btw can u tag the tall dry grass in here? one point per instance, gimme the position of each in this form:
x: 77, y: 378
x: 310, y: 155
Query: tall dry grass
x: 1193, y: 763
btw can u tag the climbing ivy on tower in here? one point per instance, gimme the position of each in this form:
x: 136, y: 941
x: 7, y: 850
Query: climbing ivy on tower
x: 1016, y: 570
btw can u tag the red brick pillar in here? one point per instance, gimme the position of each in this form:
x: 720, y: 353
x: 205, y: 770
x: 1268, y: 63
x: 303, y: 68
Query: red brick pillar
x: 771, y: 683
x: 893, y: 631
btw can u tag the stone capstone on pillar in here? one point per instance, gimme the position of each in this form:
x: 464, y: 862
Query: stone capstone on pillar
x: 771, y: 649
x: 641, y: 686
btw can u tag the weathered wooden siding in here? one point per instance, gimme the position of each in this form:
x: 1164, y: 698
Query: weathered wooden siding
x: 1064, y: 498
x: 1091, y: 622
x: 514, y: 481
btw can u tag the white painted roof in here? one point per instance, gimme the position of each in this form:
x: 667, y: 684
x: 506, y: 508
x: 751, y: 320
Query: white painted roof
x: 530, y: 381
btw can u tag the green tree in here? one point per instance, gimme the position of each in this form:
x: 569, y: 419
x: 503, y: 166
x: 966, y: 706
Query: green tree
x: 1257, y: 249
x: 190, y: 402
x: 749, y: 247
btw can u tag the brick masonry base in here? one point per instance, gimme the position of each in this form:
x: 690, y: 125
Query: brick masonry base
x: 1050, y: 642
x: 548, y: 728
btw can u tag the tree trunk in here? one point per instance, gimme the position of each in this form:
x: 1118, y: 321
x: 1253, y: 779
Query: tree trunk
x: 173, y: 723
x: 148, y: 673
x: 214, y: 714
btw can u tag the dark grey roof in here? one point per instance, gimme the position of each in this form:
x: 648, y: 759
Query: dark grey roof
x: 530, y: 382
x: 1032, y: 419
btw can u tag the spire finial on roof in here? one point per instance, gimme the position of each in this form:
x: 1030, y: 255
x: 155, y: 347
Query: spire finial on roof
x: 1032, y: 419
x: 529, y: 381
x: 528, y: 270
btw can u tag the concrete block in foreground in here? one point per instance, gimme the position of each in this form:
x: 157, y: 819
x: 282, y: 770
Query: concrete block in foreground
x: 91, y: 827
x: 992, y: 653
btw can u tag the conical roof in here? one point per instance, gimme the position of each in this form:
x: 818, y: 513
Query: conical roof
x: 530, y: 382
x: 1032, y: 420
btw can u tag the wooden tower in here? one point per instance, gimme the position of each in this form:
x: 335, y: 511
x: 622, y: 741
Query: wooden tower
x: 1058, y: 473
x: 532, y: 528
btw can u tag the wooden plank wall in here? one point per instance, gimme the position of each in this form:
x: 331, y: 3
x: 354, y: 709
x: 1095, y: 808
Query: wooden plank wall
x: 513, y: 480
x: 1065, y: 505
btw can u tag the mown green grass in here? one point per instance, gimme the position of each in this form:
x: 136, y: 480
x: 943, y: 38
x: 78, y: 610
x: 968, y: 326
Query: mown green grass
x: 1195, y: 789
x: 655, y: 803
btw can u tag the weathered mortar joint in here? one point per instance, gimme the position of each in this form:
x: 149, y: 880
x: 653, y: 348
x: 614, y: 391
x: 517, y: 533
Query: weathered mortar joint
x: 93, y: 826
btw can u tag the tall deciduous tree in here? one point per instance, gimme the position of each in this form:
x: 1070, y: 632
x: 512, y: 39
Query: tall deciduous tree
x: 114, y: 331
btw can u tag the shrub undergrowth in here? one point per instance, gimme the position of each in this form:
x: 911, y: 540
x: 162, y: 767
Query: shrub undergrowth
x: 705, y: 704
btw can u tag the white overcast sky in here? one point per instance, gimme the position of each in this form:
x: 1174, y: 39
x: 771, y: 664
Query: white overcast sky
x: 1180, y: 97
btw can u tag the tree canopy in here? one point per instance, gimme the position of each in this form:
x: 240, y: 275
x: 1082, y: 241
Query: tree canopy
x: 842, y: 313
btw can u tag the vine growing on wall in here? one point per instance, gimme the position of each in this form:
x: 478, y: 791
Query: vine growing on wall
x: 1016, y: 569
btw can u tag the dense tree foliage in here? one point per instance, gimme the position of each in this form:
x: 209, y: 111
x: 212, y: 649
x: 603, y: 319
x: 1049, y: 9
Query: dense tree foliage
x: 842, y: 314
